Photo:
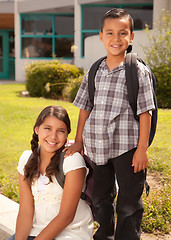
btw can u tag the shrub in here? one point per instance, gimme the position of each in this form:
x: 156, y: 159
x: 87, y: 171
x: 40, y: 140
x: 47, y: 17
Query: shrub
x: 158, y: 56
x: 157, y: 212
x: 70, y: 91
x: 72, y: 71
x: 163, y: 78
x: 53, y: 73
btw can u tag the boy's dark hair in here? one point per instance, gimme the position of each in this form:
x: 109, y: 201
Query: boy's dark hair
x: 117, y: 13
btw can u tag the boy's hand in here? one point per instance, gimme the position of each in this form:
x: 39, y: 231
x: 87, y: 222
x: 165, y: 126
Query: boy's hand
x: 140, y: 159
x: 75, y: 147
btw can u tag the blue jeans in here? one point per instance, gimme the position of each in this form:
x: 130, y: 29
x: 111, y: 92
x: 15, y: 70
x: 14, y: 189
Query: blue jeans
x: 13, y: 237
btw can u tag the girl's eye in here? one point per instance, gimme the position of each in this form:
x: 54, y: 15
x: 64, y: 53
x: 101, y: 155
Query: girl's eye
x: 47, y: 128
x: 109, y: 33
x: 123, y: 33
x: 61, y: 131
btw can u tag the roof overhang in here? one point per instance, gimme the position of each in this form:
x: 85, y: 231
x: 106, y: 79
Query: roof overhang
x: 6, y: 7
x: 42, y: 5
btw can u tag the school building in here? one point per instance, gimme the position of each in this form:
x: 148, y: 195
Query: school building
x: 33, y: 30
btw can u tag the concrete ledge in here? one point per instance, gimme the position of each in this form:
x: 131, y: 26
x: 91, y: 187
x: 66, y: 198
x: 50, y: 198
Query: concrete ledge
x: 4, y: 233
x: 8, y: 216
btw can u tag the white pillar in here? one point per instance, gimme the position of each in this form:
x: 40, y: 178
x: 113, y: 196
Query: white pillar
x: 158, y: 5
x: 17, y: 37
x: 78, y: 61
x: 77, y: 33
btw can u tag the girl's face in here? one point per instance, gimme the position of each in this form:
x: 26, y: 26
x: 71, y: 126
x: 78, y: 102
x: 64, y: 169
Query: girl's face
x: 52, y: 134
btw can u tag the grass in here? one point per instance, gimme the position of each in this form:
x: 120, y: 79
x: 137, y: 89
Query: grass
x: 157, y: 214
x: 160, y: 150
x: 17, y: 118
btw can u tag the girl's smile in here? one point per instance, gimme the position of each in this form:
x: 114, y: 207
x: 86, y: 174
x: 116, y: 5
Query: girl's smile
x: 50, y: 143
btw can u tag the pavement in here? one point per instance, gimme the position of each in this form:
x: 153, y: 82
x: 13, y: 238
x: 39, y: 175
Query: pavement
x: 10, y: 82
x: 8, y: 216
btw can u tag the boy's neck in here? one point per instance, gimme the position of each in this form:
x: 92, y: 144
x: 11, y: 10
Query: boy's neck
x: 114, y: 61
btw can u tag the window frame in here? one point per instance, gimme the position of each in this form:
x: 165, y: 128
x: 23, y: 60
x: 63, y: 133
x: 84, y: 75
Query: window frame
x: 53, y: 36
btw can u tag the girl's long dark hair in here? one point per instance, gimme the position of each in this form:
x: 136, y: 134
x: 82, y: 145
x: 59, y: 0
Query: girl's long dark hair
x: 31, y: 170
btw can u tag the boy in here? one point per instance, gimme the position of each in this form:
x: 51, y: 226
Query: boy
x: 113, y: 139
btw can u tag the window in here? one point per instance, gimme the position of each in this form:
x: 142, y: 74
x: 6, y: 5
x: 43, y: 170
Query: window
x: 92, y: 15
x: 36, y: 47
x: 47, y: 35
x: 142, y: 15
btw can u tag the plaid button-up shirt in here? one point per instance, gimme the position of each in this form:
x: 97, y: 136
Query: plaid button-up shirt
x: 111, y: 128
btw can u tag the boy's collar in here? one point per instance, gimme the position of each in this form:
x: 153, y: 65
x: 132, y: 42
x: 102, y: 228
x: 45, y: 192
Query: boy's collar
x: 103, y: 65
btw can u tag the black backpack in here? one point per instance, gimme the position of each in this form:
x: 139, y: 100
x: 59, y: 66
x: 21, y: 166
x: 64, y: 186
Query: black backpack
x: 132, y: 87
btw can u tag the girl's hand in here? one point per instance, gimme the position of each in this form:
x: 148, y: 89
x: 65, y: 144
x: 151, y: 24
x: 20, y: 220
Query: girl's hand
x: 140, y: 159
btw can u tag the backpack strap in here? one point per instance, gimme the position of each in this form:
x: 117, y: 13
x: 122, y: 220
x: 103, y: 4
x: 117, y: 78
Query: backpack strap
x: 131, y: 73
x: 91, y: 77
x: 60, y: 177
x: 132, y: 82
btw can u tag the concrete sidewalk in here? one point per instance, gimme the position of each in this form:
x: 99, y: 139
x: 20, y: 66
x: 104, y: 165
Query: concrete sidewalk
x: 8, y: 215
x: 11, y: 82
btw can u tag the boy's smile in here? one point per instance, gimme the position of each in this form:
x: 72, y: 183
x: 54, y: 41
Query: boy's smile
x: 116, y: 36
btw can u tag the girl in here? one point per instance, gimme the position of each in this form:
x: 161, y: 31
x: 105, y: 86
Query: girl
x: 46, y: 210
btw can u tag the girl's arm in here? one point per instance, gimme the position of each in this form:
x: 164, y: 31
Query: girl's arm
x: 26, y: 210
x: 78, y: 145
x: 140, y: 158
x: 74, y: 181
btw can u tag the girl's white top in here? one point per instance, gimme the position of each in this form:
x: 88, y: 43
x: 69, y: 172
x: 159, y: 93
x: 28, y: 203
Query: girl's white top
x: 47, y: 200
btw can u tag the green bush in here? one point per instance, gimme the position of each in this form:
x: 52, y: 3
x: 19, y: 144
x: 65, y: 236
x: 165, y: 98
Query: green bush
x: 53, y: 73
x: 163, y: 78
x: 157, y: 212
x: 72, y: 71
x: 158, y: 57
x: 71, y: 89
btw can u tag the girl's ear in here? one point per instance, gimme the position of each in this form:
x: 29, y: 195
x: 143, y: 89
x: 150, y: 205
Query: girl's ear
x: 36, y: 130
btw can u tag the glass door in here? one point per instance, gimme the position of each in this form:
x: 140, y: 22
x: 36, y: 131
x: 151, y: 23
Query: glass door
x: 4, y: 55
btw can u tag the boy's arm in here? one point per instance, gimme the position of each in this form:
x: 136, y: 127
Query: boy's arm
x: 140, y: 158
x: 78, y: 145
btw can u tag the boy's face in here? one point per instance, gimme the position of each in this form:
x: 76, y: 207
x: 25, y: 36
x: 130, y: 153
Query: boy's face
x: 116, y: 36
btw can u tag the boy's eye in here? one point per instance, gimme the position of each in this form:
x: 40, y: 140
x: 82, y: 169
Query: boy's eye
x: 109, y: 33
